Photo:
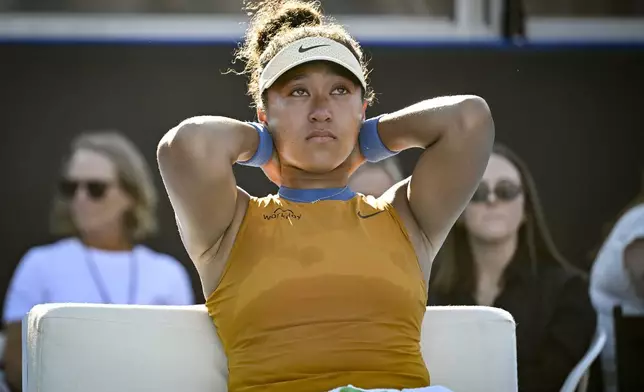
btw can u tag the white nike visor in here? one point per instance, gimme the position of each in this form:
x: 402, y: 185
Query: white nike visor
x: 306, y: 50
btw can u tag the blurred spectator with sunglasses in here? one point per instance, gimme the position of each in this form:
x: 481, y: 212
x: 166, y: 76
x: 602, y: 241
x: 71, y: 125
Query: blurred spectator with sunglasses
x: 104, y: 207
x: 617, y: 279
x: 500, y: 254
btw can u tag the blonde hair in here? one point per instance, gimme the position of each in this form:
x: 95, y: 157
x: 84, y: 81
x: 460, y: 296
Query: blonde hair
x: 134, y: 177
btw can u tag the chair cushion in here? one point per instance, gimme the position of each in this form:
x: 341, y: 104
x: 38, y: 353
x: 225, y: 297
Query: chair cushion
x: 101, y: 348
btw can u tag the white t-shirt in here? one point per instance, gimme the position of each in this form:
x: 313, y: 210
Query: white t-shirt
x: 610, y: 285
x: 68, y: 271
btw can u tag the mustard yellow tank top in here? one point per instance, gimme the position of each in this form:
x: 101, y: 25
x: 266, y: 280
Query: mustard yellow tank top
x: 320, y: 295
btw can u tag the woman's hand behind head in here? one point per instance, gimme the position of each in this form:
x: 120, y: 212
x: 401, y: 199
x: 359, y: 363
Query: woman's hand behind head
x: 356, y: 159
x: 273, y: 169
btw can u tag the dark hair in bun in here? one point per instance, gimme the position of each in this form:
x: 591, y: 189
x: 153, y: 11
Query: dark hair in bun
x: 275, y: 24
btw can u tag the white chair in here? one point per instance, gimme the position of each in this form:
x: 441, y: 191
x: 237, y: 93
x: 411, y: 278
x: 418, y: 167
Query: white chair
x: 101, y: 348
x: 577, y: 380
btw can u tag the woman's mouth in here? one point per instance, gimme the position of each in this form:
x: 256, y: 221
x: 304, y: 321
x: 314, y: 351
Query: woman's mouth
x: 321, y: 136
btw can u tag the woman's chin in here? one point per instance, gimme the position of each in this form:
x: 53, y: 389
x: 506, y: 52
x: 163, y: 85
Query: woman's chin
x: 494, y: 236
x: 320, y: 164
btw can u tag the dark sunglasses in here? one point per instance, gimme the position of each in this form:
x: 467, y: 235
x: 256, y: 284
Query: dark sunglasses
x: 504, y: 190
x: 95, y: 188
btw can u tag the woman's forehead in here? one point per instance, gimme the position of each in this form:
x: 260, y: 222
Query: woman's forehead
x: 89, y: 164
x: 499, y: 167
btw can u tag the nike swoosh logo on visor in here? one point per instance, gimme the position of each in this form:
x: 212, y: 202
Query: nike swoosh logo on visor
x: 302, y: 49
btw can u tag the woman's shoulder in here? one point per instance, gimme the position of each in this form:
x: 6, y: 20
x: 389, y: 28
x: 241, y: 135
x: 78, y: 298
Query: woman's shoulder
x: 59, y: 246
x: 43, y: 255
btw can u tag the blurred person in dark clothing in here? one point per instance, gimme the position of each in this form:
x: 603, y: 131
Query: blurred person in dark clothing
x: 104, y: 208
x: 501, y: 254
x: 617, y: 279
x: 374, y: 178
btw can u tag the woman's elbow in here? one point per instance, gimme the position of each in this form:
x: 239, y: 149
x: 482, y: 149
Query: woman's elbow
x: 166, y: 143
x: 476, y: 118
x: 186, y: 139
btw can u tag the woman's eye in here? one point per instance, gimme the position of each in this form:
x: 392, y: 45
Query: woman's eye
x: 298, y: 92
x: 340, y: 91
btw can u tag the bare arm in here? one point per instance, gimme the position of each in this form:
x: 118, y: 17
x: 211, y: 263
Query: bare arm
x: 195, y: 160
x: 13, y: 355
x: 457, y: 134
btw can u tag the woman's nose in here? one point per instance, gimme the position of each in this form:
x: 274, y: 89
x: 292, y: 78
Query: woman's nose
x: 320, y: 111
x: 491, y: 198
x: 80, y: 195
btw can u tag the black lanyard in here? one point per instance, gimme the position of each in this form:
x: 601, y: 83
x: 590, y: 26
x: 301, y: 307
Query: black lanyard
x: 100, y: 284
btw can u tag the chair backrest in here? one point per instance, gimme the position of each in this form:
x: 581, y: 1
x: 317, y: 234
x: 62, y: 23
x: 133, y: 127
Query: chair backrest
x: 100, y: 348
x: 629, y: 350
x: 577, y: 379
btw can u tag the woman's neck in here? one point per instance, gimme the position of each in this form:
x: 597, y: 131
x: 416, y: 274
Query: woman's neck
x: 112, y: 240
x: 295, y: 178
x: 491, y: 259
